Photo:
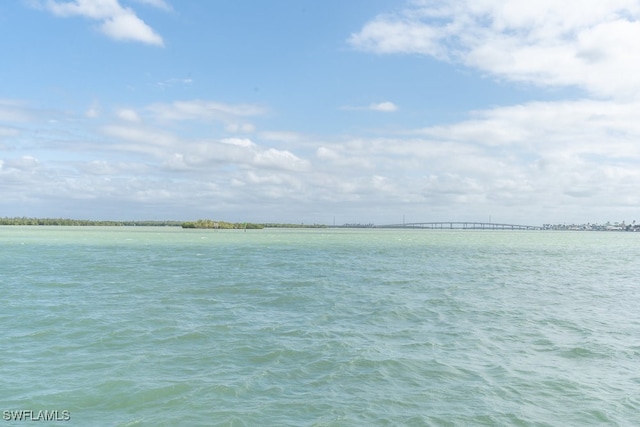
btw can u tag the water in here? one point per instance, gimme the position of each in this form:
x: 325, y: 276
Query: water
x: 164, y: 326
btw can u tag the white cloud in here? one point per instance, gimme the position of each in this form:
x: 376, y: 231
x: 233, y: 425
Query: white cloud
x: 203, y: 110
x: 24, y: 163
x: 116, y: 21
x: 93, y: 111
x: 327, y: 153
x: 111, y: 169
x: 127, y: 138
x: 239, y: 142
x: 128, y: 115
x: 337, y: 156
x: 129, y: 27
x: 279, y: 159
x: 590, y: 44
x: 385, y: 107
x: 240, y: 152
x: 8, y: 131
x: 14, y: 111
x: 173, y: 82
x: 240, y: 127
x: 391, y: 35
x: 598, y: 128
x: 282, y: 136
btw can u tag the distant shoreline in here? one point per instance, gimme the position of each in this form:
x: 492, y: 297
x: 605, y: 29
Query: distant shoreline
x: 224, y: 225
x: 85, y: 222
x: 199, y: 224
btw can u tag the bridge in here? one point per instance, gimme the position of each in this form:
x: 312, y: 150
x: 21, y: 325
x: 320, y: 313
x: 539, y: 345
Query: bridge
x: 449, y: 225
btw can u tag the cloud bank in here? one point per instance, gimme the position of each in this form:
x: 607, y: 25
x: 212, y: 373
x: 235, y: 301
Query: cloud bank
x: 536, y: 161
x: 590, y: 44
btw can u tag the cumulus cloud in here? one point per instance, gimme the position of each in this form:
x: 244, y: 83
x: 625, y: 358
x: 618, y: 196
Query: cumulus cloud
x: 189, y: 154
x: 117, y: 22
x: 237, y: 152
x: 279, y: 159
x: 590, y: 127
x: 590, y: 44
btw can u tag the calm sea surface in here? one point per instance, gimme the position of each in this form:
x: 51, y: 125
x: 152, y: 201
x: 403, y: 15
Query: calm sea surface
x: 144, y: 326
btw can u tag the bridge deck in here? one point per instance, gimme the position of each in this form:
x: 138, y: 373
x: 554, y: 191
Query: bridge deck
x: 459, y: 225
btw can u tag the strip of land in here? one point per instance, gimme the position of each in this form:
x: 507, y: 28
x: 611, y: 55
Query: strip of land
x: 201, y: 223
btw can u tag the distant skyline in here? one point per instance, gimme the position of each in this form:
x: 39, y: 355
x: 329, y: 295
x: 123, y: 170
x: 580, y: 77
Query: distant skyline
x: 362, y: 111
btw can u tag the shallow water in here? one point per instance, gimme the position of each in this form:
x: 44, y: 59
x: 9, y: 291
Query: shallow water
x: 137, y: 326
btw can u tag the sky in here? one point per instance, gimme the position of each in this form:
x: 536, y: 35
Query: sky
x: 333, y: 111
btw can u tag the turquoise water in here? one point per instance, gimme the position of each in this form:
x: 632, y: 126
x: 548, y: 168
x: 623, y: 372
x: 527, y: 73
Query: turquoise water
x: 165, y: 326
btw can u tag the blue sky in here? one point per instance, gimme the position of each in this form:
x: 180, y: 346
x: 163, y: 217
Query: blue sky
x: 306, y: 111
